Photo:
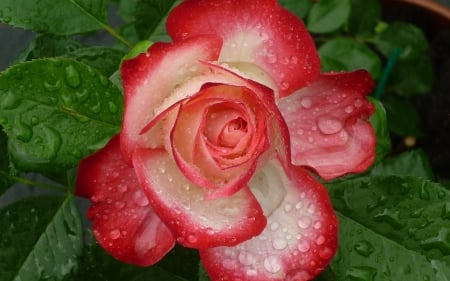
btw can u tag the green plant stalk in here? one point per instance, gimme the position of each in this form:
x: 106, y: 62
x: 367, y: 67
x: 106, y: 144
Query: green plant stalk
x: 392, y: 60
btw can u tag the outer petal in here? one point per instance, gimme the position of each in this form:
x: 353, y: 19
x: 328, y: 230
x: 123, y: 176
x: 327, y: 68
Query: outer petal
x: 328, y: 124
x: 260, y: 33
x: 299, y: 241
x: 123, y: 221
x: 151, y: 78
x: 196, y: 222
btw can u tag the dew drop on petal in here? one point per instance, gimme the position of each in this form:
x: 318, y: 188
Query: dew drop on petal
x: 348, y: 109
x: 329, y: 125
x: 306, y: 102
x: 140, y: 199
x: 122, y: 188
x: 192, y: 238
x: 272, y: 264
x: 114, y: 234
x: 304, y: 246
x: 119, y: 205
x: 304, y: 222
x: 326, y: 253
x: 320, y: 240
x: 246, y: 258
x: 274, y: 226
x: 279, y: 244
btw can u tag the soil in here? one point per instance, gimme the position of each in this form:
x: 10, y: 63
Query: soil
x: 433, y: 108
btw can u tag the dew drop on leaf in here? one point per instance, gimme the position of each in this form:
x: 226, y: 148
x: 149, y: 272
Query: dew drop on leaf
x: 361, y: 273
x: 364, y: 248
x: 73, y: 79
x: 24, y: 132
x: 10, y: 101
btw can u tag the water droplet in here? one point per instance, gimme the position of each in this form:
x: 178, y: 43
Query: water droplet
x: 246, y: 258
x: 73, y: 79
x: 119, y: 205
x: 23, y: 132
x: 390, y: 217
x: 192, y: 238
x: 112, y: 107
x: 34, y: 120
x: 326, y: 253
x: 287, y: 208
x: 364, y: 248
x: 349, y: 109
x: 361, y: 273
x: 423, y: 192
x: 329, y: 125
x: 303, y: 246
x: 279, y: 244
x: 122, y: 188
x: 10, y: 101
x: 96, y: 108
x: 67, y: 100
x: 51, y: 87
x: 114, y: 234
x: 440, y: 242
x: 103, y: 80
x: 272, y: 264
x: 229, y: 264
x: 53, y: 142
x: 82, y: 96
x: 140, y: 199
x: 272, y: 58
x: 306, y: 102
x: 320, y: 240
x: 304, y: 222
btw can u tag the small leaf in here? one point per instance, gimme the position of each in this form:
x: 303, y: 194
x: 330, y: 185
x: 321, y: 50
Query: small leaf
x: 55, y: 112
x: 412, y: 78
x: 403, y: 118
x: 342, y: 54
x: 364, y: 25
x: 410, y: 163
x: 104, y: 59
x: 405, y: 36
x: 41, y: 239
x: 58, y: 17
x: 299, y: 7
x: 149, y: 13
x: 328, y: 15
x: 392, y: 228
x: 380, y: 124
x: 203, y: 276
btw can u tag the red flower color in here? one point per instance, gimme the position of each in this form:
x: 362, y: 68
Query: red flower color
x: 217, y: 130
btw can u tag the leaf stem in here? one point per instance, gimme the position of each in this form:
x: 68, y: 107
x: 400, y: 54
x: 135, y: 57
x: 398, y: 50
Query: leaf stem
x: 105, y: 26
x: 32, y: 183
x: 392, y: 60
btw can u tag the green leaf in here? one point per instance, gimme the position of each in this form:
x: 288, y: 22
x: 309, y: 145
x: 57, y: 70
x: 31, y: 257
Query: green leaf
x: 149, y: 14
x: 5, y: 180
x: 405, y: 36
x: 364, y: 17
x: 44, y: 46
x: 104, y: 59
x: 412, y: 78
x: 127, y: 9
x: 403, y: 118
x: 203, y: 276
x: 343, y: 54
x: 380, y: 124
x: 55, y: 112
x: 41, y: 239
x: 410, y: 163
x: 328, y: 15
x: 58, y: 17
x: 100, y: 266
x: 299, y: 7
x: 392, y: 228
x: 182, y: 262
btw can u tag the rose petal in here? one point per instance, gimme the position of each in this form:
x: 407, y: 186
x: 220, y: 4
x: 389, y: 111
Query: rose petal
x: 262, y: 34
x: 151, y: 78
x: 298, y: 242
x: 196, y: 222
x: 328, y: 124
x: 124, y: 223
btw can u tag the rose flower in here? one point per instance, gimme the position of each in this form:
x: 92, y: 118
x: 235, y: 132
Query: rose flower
x: 220, y: 127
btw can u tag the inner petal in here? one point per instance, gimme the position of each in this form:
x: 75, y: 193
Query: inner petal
x: 233, y: 132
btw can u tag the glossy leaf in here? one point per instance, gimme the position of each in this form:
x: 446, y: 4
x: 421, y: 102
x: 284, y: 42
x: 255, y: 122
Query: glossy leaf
x: 55, y: 112
x: 403, y: 118
x: 328, y: 15
x: 410, y: 163
x: 343, y: 54
x: 392, y: 228
x: 299, y: 7
x: 104, y: 59
x: 58, y: 17
x: 41, y: 239
x: 407, y: 37
x: 380, y: 124
x: 412, y: 78
x: 364, y: 17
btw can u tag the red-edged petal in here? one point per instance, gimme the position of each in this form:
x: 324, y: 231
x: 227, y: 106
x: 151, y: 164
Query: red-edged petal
x: 260, y: 33
x: 123, y: 221
x: 151, y: 78
x: 196, y: 222
x: 328, y: 124
x: 298, y: 242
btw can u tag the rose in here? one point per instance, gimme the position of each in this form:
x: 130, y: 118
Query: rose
x: 218, y: 126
